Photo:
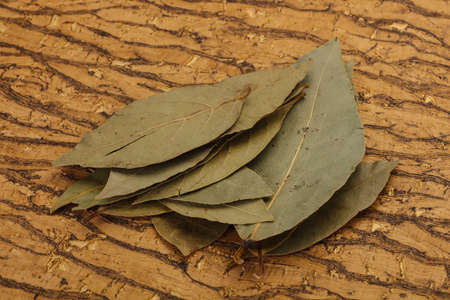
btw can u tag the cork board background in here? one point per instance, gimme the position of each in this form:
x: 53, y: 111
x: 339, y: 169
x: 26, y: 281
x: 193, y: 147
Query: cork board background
x: 66, y: 66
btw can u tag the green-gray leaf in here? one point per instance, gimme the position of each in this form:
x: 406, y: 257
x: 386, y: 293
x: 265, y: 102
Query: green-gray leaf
x: 240, y: 212
x: 235, y: 154
x: 360, y: 191
x: 188, y: 234
x: 317, y: 149
x: 127, y: 181
x: 241, y: 185
x: 83, y: 189
x: 160, y: 128
x: 125, y: 209
x: 90, y: 202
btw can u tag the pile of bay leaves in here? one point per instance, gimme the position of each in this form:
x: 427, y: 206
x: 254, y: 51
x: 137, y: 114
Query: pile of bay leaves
x: 274, y: 153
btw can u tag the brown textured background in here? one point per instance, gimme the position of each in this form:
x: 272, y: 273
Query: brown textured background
x: 66, y: 66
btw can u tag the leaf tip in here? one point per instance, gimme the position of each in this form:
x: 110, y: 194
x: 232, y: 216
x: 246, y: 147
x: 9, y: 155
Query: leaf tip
x: 388, y: 164
x: 57, y: 162
x: 63, y: 161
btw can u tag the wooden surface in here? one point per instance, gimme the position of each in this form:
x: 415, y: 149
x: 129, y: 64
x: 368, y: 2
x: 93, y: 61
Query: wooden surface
x: 66, y: 66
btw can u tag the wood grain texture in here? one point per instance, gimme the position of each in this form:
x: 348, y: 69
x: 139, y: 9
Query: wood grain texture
x: 66, y: 66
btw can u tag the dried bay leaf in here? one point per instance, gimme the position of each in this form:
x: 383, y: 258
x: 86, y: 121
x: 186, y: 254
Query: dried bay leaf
x: 187, y: 234
x: 360, y: 191
x: 160, y: 128
x: 241, y: 185
x: 274, y: 86
x: 83, y: 189
x: 125, y: 209
x: 127, y: 181
x: 240, y: 212
x: 236, y: 153
x: 317, y: 149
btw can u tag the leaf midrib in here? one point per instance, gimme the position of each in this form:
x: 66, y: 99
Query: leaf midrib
x: 141, y: 134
